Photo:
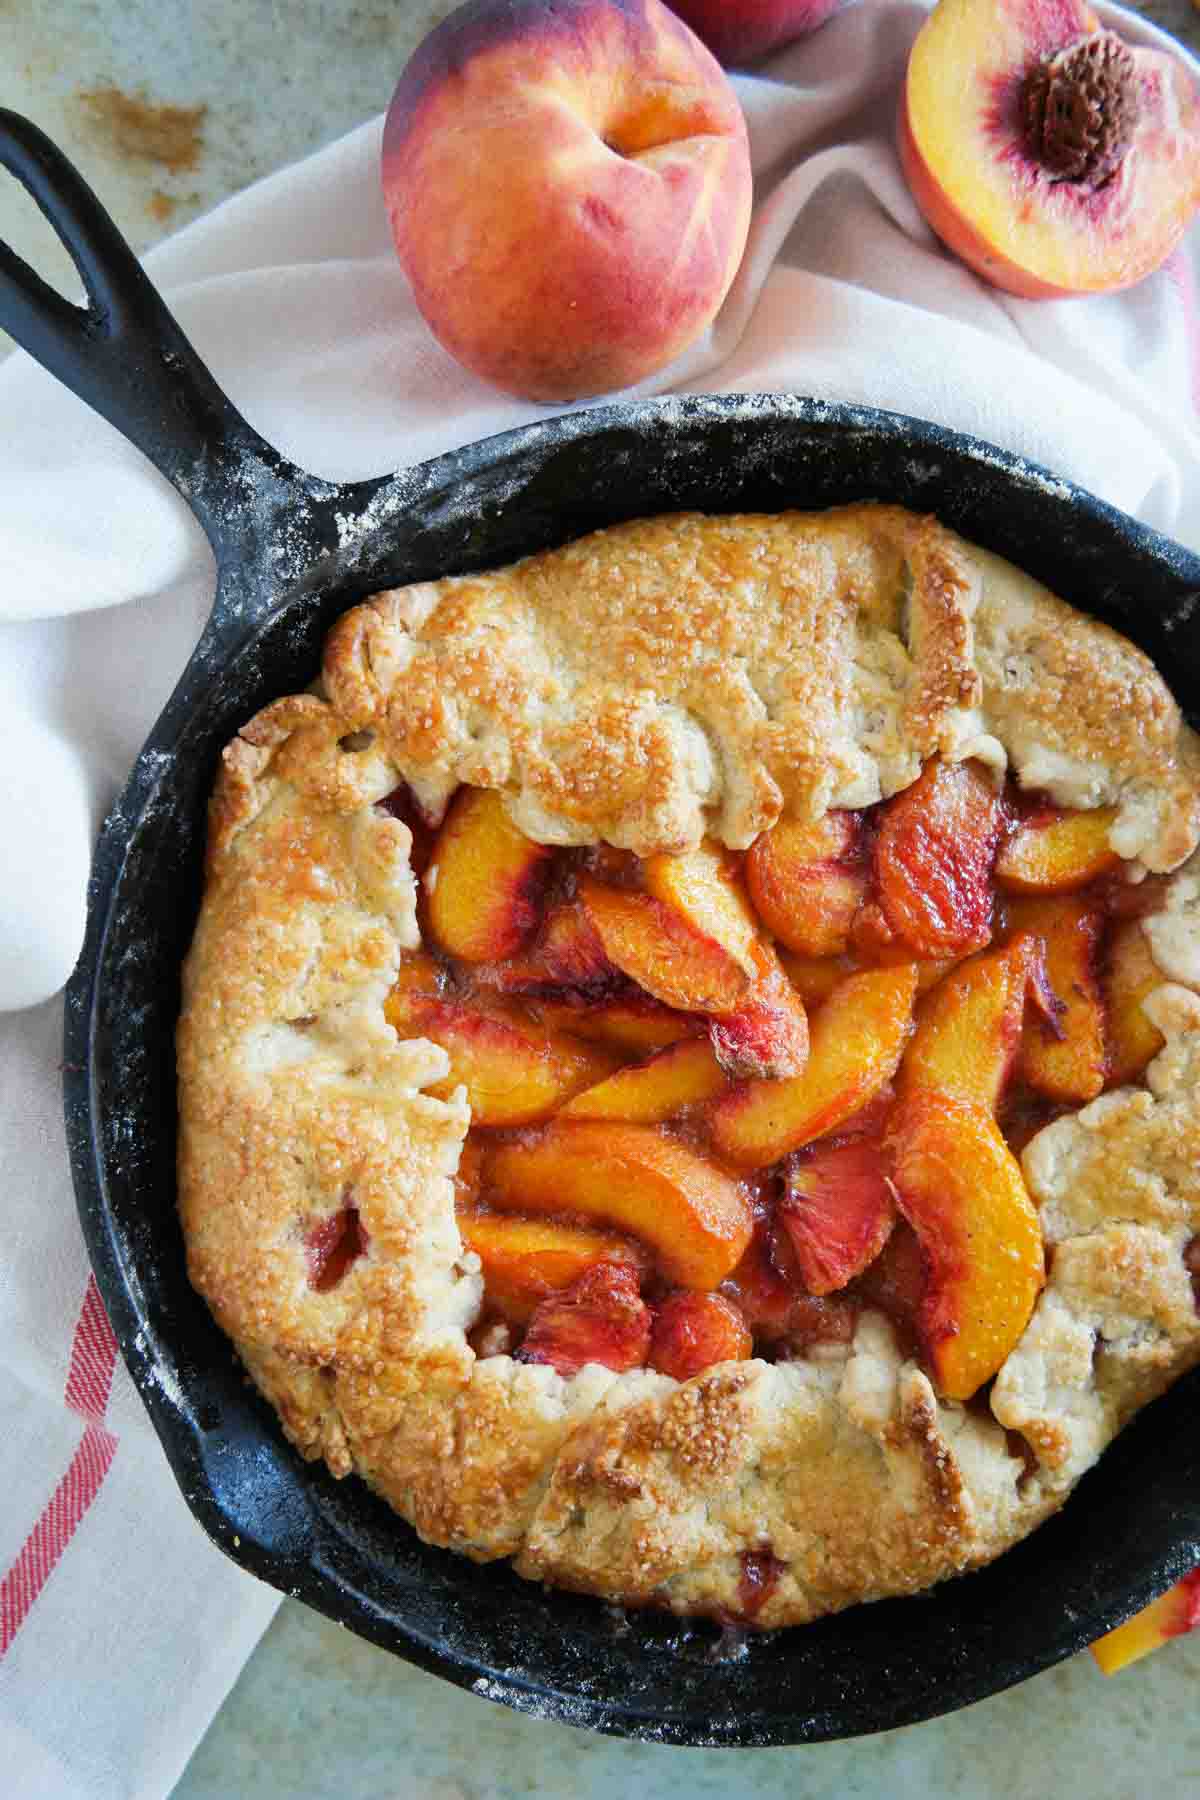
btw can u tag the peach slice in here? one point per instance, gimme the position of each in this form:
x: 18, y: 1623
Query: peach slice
x: 801, y: 883
x: 1048, y: 155
x: 838, y: 1211
x: 484, y: 881
x: 897, y: 1280
x: 1064, y: 1059
x: 767, y: 1289
x: 765, y: 1282
x: 656, y: 946
x: 1171, y: 1615
x: 638, y: 1025
x: 1132, y: 973
x: 567, y: 954
x: 525, y: 1260
x: 600, y: 1318
x: 933, y: 860
x: 960, y: 1188
x: 704, y: 888
x: 679, y: 1076
x: 857, y: 1040
x: 694, y: 1218
x: 332, y: 1246
x: 815, y: 977
x: 969, y: 1030
x: 1057, y: 852
x: 514, y: 1073
x: 691, y: 1332
x: 419, y: 977
x: 767, y: 1037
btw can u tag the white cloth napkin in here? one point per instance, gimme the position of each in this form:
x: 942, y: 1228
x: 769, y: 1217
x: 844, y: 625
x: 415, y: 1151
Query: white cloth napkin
x: 120, y: 1627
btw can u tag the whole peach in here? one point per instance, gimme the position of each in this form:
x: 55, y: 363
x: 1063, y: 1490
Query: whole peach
x: 569, y: 188
x: 737, y: 31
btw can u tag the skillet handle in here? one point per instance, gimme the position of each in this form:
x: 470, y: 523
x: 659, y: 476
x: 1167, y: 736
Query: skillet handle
x: 123, y: 353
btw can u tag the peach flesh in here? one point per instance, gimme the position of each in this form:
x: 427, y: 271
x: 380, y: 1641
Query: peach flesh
x: 569, y: 190
x: 963, y: 147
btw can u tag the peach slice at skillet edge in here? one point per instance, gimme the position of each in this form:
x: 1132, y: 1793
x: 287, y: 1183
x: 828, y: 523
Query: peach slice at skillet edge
x: 1048, y: 155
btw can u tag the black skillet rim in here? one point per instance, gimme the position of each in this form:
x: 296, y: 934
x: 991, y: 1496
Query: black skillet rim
x: 303, y: 1556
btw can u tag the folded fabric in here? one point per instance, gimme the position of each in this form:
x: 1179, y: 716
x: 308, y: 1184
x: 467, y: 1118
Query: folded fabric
x: 110, y: 1668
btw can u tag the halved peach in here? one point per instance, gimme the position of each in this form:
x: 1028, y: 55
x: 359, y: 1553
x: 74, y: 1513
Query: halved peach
x: 1131, y: 974
x: 484, y: 880
x: 960, y: 1188
x: 514, y: 1073
x: 656, y: 946
x: 1171, y: 1615
x: 838, y: 1211
x: 933, y: 859
x: 692, y: 1332
x: 1064, y: 1058
x: 857, y: 1040
x: 601, y: 1318
x: 525, y: 1260
x: 1051, y: 157
x: 650, y: 1092
x: 804, y: 888
x: 969, y: 1030
x: 1057, y: 852
x: 637, y: 1025
x: 694, y: 1218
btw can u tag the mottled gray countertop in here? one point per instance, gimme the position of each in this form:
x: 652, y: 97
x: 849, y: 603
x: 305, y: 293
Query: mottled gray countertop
x: 167, y: 109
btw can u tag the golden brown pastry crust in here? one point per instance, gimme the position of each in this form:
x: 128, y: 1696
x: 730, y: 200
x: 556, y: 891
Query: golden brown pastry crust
x: 645, y: 685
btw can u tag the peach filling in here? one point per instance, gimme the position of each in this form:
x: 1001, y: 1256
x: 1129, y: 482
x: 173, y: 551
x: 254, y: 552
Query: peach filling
x: 721, y: 1103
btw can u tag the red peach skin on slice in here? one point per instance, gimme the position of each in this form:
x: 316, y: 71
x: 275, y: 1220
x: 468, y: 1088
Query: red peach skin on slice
x: 767, y: 1037
x: 933, y: 860
x: 692, y: 1332
x: 693, y: 1217
x: 600, y: 1318
x: 838, y: 1211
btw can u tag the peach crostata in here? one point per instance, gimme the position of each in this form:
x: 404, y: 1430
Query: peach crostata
x: 690, y: 1057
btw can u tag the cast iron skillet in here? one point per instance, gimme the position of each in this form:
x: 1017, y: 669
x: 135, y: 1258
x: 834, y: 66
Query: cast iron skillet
x: 292, y: 552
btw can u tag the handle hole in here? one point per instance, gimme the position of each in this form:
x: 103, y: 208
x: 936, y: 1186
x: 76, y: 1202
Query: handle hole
x: 30, y: 234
